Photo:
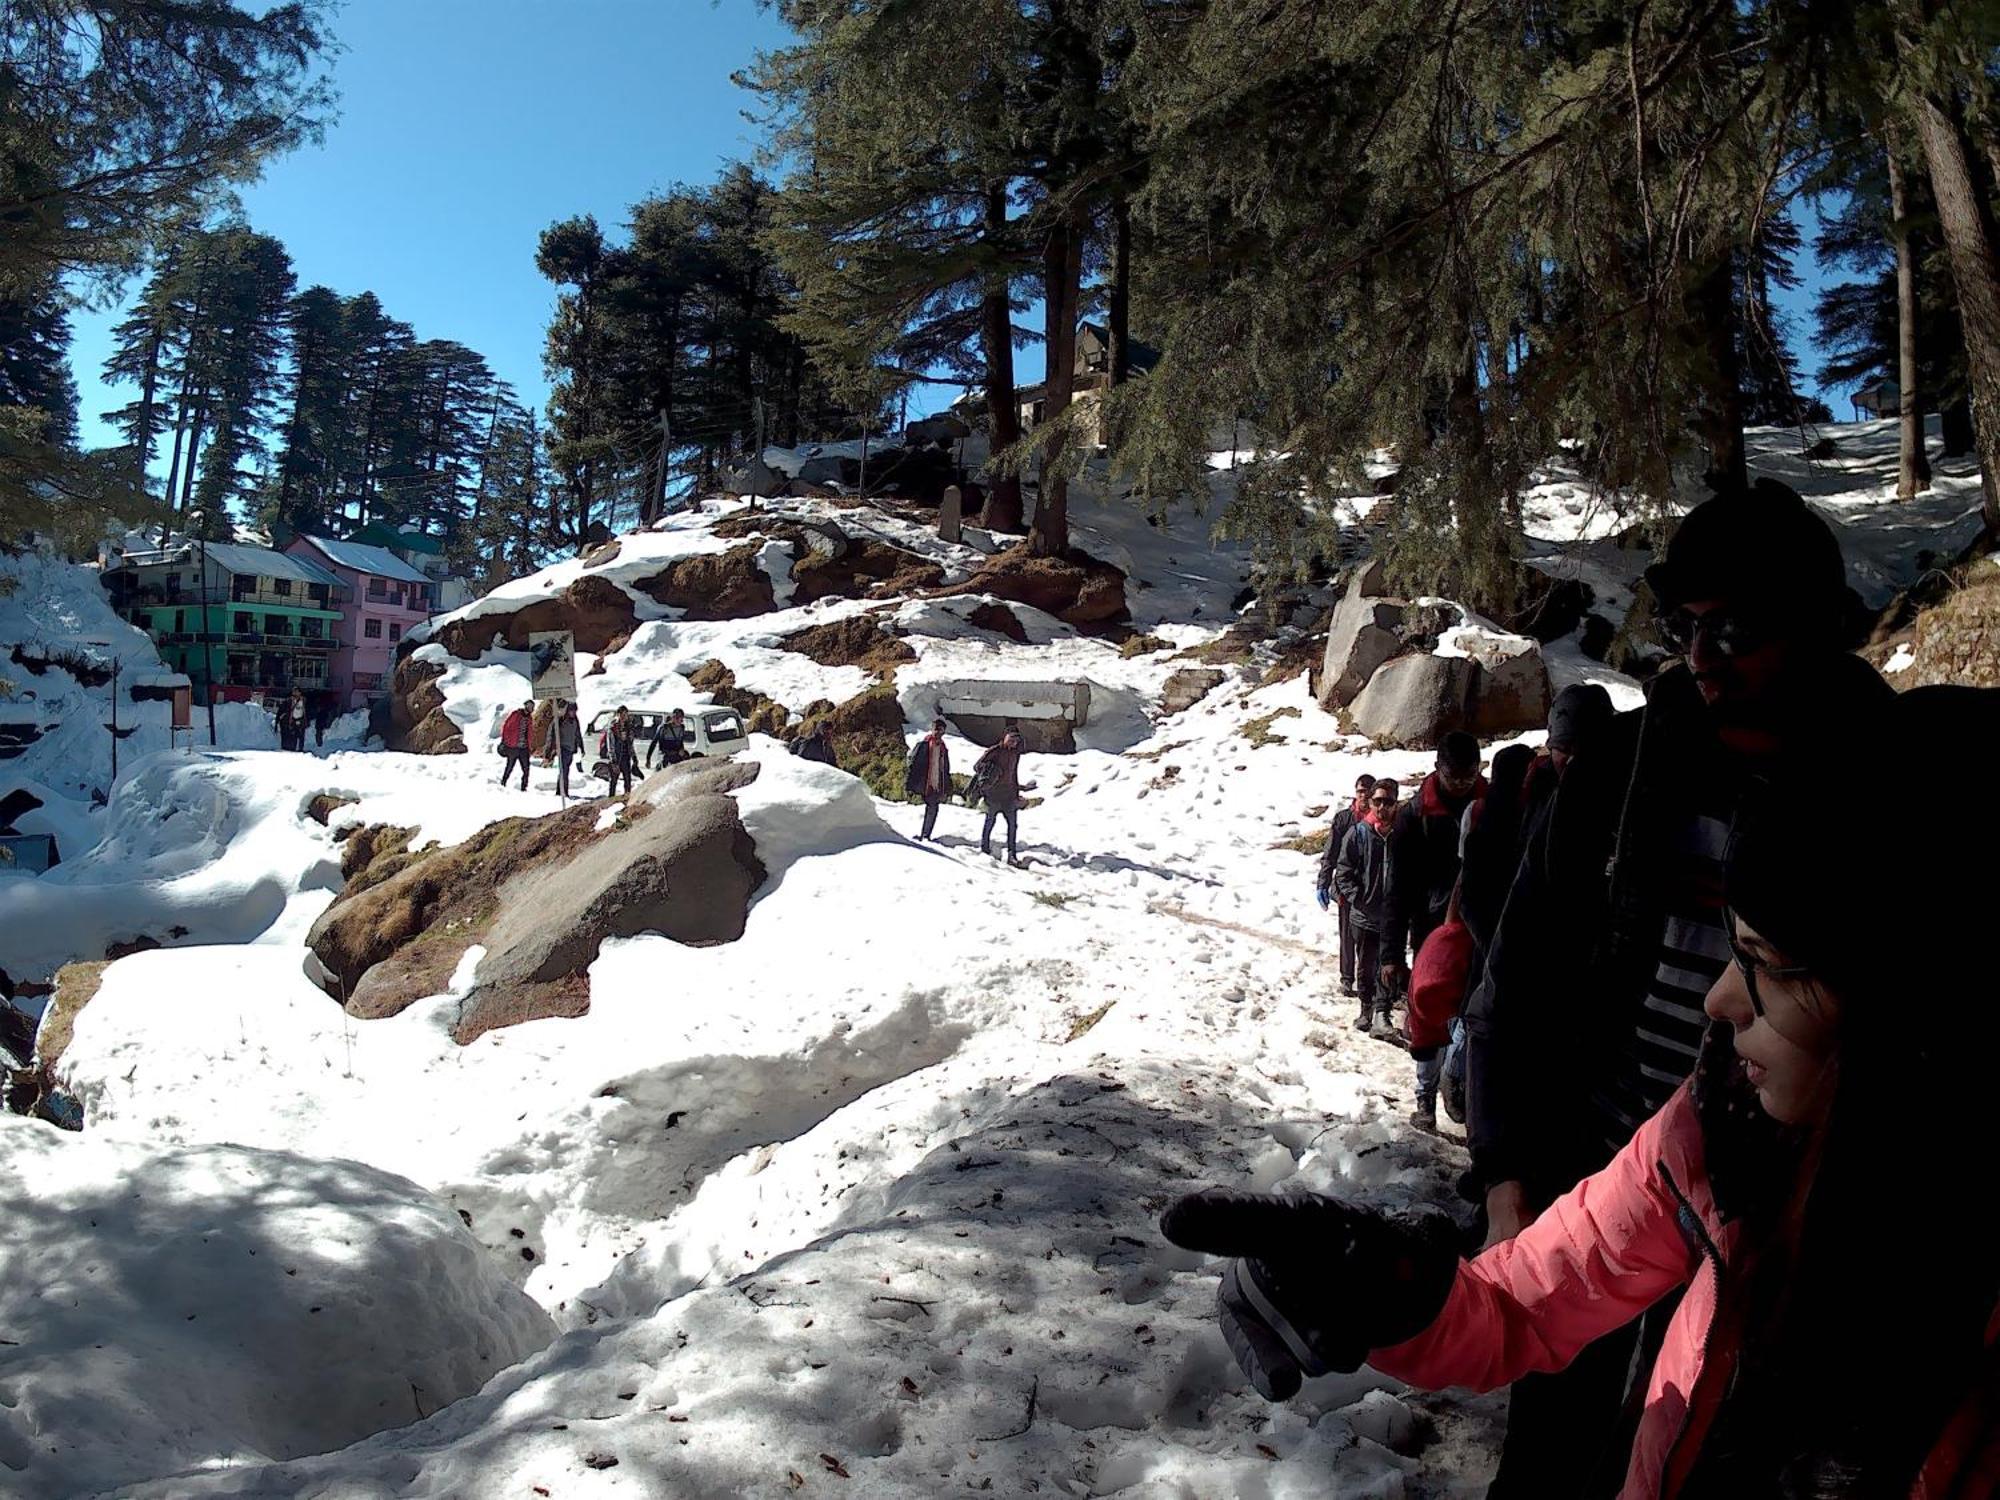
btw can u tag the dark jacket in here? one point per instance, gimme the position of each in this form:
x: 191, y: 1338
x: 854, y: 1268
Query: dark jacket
x: 1579, y: 940
x: 1522, y: 782
x: 814, y: 746
x: 668, y: 746
x: 1000, y: 768
x: 1361, y: 876
x: 1343, y: 820
x: 617, y: 740
x: 917, y: 772
x: 565, y: 736
x: 1423, y: 864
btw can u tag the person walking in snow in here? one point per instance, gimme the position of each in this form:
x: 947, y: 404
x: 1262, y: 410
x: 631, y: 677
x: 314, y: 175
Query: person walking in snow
x: 668, y: 746
x: 1361, y: 877
x: 997, y: 774
x: 1829, y: 1330
x: 564, y: 744
x: 1343, y: 820
x: 927, y: 777
x: 815, y: 744
x: 515, y: 730
x: 1590, y: 1011
x: 1423, y: 854
x: 620, y: 753
x: 322, y: 718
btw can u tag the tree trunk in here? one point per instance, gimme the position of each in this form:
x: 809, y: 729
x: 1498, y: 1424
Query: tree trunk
x: 1061, y: 266
x: 1003, y: 411
x: 1715, y: 307
x: 1119, y: 315
x: 1969, y: 247
x: 1913, y: 474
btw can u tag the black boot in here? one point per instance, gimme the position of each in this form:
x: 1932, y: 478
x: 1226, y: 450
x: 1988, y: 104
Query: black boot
x: 1361, y: 1021
x: 1425, y: 1115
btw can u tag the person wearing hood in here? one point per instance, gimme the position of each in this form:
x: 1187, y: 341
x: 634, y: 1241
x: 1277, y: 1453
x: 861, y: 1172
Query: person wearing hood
x: 1343, y: 820
x: 564, y: 744
x: 1827, y: 1332
x: 927, y: 776
x: 1423, y: 854
x: 998, y: 774
x: 1361, y: 876
x: 1589, y: 1015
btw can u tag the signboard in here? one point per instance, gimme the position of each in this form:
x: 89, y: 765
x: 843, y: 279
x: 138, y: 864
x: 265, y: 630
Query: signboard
x: 552, y: 664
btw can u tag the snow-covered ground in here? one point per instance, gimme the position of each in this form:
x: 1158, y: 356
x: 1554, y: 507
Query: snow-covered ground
x: 862, y: 1203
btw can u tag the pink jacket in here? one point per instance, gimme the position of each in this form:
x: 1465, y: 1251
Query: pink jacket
x: 1614, y: 1245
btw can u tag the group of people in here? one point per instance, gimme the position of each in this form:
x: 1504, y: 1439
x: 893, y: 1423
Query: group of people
x: 298, y: 715
x: 996, y: 782
x: 1725, y: 1118
x: 562, y: 743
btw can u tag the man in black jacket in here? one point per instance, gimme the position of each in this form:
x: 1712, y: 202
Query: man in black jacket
x: 1589, y: 1013
x: 1361, y: 876
x: 1423, y: 854
x: 1343, y: 820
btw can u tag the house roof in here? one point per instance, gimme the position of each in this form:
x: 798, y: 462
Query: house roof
x: 262, y: 562
x: 381, y: 534
x: 366, y: 559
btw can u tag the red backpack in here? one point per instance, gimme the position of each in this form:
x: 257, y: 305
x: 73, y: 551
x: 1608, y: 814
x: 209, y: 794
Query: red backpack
x: 1438, y: 983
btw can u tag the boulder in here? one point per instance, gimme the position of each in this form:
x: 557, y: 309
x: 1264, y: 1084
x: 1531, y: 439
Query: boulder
x: 1370, y: 578
x: 1077, y: 588
x: 713, y: 586
x: 1510, y: 695
x: 598, y: 557
x: 417, y: 722
x: 1362, y: 636
x: 951, y: 515
x: 1958, y: 641
x: 825, y: 539
x: 1554, y: 611
x: 856, y: 641
x: 686, y: 872
x: 1189, y: 686
x: 999, y: 619
x: 865, y: 569
x: 1414, y: 701
x: 594, y: 610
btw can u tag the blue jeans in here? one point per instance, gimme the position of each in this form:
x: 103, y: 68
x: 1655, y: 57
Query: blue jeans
x: 1013, y: 817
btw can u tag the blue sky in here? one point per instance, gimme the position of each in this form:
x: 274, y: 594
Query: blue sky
x: 466, y: 127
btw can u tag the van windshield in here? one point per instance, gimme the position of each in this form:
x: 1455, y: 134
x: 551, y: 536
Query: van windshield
x: 723, y: 726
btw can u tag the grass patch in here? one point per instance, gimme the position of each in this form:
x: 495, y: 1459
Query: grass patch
x: 1258, y: 731
x: 1081, y: 1025
x: 1143, y: 645
x: 1164, y: 750
x: 1057, y: 899
x: 1307, y: 843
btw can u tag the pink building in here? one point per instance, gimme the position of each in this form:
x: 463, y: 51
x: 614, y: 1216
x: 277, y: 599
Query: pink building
x: 385, y: 597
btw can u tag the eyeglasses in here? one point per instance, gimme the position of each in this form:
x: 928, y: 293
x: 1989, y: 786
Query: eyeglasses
x: 1752, y: 967
x: 1730, y: 632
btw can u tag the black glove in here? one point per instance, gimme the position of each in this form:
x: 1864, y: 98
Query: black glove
x: 1317, y: 1283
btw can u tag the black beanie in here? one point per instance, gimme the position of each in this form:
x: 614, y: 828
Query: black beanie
x: 1763, y: 546
x: 1578, y: 715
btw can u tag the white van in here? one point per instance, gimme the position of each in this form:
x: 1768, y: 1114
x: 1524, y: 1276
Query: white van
x: 704, y: 731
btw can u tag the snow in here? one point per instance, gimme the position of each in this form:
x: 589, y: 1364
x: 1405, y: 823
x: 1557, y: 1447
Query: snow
x: 270, y: 1305
x: 871, y: 1191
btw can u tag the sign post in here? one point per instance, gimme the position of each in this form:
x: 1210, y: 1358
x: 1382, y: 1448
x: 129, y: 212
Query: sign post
x: 552, y: 664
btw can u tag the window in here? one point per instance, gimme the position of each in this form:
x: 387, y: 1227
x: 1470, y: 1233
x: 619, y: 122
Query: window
x: 245, y: 623
x: 281, y: 585
x: 395, y: 632
x: 420, y: 599
x: 372, y: 629
x: 277, y: 625
x: 378, y: 588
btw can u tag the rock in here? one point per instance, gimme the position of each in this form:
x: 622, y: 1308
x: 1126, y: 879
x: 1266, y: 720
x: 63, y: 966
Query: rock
x: 417, y: 722
x: 325, y: 804
x: 761, y: 715
x: 76, y: 986
x: 1511, y: 695
x: 1596, y: 637
x: 714, y: 586
x: 1823, y: 450
x: 1371, y: 578
x: 951, y: 515
x: 594, y: 610
x: 857, y: 641
x: 825, y: 539
x: 686, y: 872
x: 1189, y: 686
x: 1077, y: 589
x: 941, y: 428
x: 1557, y: 611
x: 1958, y: 641
x: 597, y: 557
x: 999, y: 619
x: 1414, y: 701
x: 866, y: 569
x: 1363, y: 634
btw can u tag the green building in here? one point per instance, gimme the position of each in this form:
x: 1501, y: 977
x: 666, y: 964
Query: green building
x: 251, y: 623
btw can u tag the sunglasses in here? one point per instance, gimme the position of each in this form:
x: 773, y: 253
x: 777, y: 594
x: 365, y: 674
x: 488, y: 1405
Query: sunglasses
x: 1381, y: 801
x: 1752, y: 967
x: 1730, y: 632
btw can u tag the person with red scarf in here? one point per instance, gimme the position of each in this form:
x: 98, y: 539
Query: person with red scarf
x: 928, y: 775
x: 1361, y: 876
x: 1343, y: 820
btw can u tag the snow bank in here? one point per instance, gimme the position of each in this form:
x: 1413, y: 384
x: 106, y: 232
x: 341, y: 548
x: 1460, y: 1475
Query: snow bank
x: 184, y: 1309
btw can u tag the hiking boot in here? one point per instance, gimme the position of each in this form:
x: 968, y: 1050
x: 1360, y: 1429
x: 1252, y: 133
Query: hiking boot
x: 1385, y: 1025
x: 1425, y: 1115
x: 1347, y: 988
x: 1361, y: 1022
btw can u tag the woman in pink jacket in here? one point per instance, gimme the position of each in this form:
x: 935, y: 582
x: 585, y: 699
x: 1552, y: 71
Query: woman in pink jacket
x: 1817, y: 1194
